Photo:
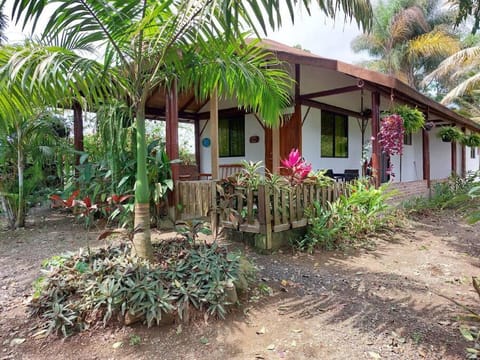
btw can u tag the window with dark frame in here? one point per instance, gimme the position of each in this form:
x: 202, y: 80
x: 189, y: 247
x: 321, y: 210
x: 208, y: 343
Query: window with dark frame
x: 334, y: 135
x: 473, y: 151
x: 407, y: 139
x: 231, y: 136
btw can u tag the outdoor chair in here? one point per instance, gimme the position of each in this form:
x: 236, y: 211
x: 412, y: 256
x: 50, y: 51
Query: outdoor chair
x: 351, y: 174
x: 329, y: 173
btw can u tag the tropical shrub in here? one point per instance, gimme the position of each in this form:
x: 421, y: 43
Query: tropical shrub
x: 296, y: 168
x: 348, y: 219
x: 94, y: 287
x: 455, y: 193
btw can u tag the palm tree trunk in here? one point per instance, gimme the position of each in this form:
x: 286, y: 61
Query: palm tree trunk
x: 20, y: 221
x: 7, y: 210
x: 142, y: 245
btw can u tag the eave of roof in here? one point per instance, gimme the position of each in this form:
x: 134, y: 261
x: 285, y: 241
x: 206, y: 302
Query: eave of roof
x: 298, y: 56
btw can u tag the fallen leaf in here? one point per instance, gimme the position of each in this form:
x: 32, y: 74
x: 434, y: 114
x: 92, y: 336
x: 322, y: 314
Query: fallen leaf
x: 17, y: 341
x: 117, y: 345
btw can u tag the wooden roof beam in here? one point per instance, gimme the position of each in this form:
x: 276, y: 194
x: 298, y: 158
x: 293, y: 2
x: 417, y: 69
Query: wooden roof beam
x: 337, y: 91
x: 328, y: 107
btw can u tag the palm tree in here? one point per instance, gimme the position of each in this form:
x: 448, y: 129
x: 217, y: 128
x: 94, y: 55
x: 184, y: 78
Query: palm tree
x: 149, y: 44
x: 22, y: 139
x: 408, y: 38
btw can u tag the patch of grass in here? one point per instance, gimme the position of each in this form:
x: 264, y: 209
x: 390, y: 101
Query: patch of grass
x: 135, y: 340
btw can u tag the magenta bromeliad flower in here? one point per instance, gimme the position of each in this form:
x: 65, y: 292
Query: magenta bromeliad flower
x: 298, y: 169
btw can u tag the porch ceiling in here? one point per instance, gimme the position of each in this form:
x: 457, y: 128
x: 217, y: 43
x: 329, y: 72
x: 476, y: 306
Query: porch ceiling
x: 188, y: 105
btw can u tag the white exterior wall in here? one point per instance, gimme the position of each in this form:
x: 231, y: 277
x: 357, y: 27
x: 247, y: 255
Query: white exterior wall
x: 253, y: 152
x: 412, y: 161
x: 471, y: 164
x: 440, y: 156
x: 311, y: 144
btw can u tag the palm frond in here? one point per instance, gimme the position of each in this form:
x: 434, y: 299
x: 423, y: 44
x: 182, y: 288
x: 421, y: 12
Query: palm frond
x: 465, y: 87
x: 452, y: 63
x: 432, y: 44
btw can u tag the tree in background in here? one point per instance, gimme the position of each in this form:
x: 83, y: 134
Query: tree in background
x: 26, y: 144
x: 460, y: 73
x: 151, y: 44
x: 408, y: 38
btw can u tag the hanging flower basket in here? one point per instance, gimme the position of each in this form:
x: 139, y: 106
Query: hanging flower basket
x: 450, y: 133
x: 472, y: 140
x: 413, y: 119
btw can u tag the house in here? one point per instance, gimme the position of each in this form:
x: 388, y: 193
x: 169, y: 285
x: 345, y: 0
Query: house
x: 335, y: 114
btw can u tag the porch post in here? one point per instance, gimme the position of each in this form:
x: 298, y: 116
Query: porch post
x: 214, y: 133
x: 297, y: 115
x: 464, y: 158
x: 454, y: 157
x: 276, y: 150
x: 171, y: 130
x: 426, y: 156
x: 77, y: 129
x: 375, y: 144
x: 197, y: 143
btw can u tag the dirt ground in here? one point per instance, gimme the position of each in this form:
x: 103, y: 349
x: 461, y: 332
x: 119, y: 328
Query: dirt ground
x: 381, y: 303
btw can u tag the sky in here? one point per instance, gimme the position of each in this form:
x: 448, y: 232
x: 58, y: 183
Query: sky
x: 322, y: 36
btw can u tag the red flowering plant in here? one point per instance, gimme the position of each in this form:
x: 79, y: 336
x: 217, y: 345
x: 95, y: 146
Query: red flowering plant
x: 296, y: 167
x: 391, y: 136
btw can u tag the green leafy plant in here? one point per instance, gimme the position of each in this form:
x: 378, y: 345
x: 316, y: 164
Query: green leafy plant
x: 472, y: 140
x: 348, y: 219
x: 413, y: 119
x: 190, y: 229
x: 87, y: 288
x: 450, y: 133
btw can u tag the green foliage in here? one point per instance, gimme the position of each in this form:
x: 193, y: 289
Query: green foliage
x: 455, y: 193
x: 348, y: 219
x: 135, y: 340
x: 450, y: 133
x: 81, y: 290
x: 190, y: 229
x: 472, y: 140
x: 413, y: 119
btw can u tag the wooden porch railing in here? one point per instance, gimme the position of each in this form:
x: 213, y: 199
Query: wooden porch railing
x: 262, y: 211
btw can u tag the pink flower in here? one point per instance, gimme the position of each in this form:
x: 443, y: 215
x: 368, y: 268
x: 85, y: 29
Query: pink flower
x: 296, y: 167
x: 292, y: 160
